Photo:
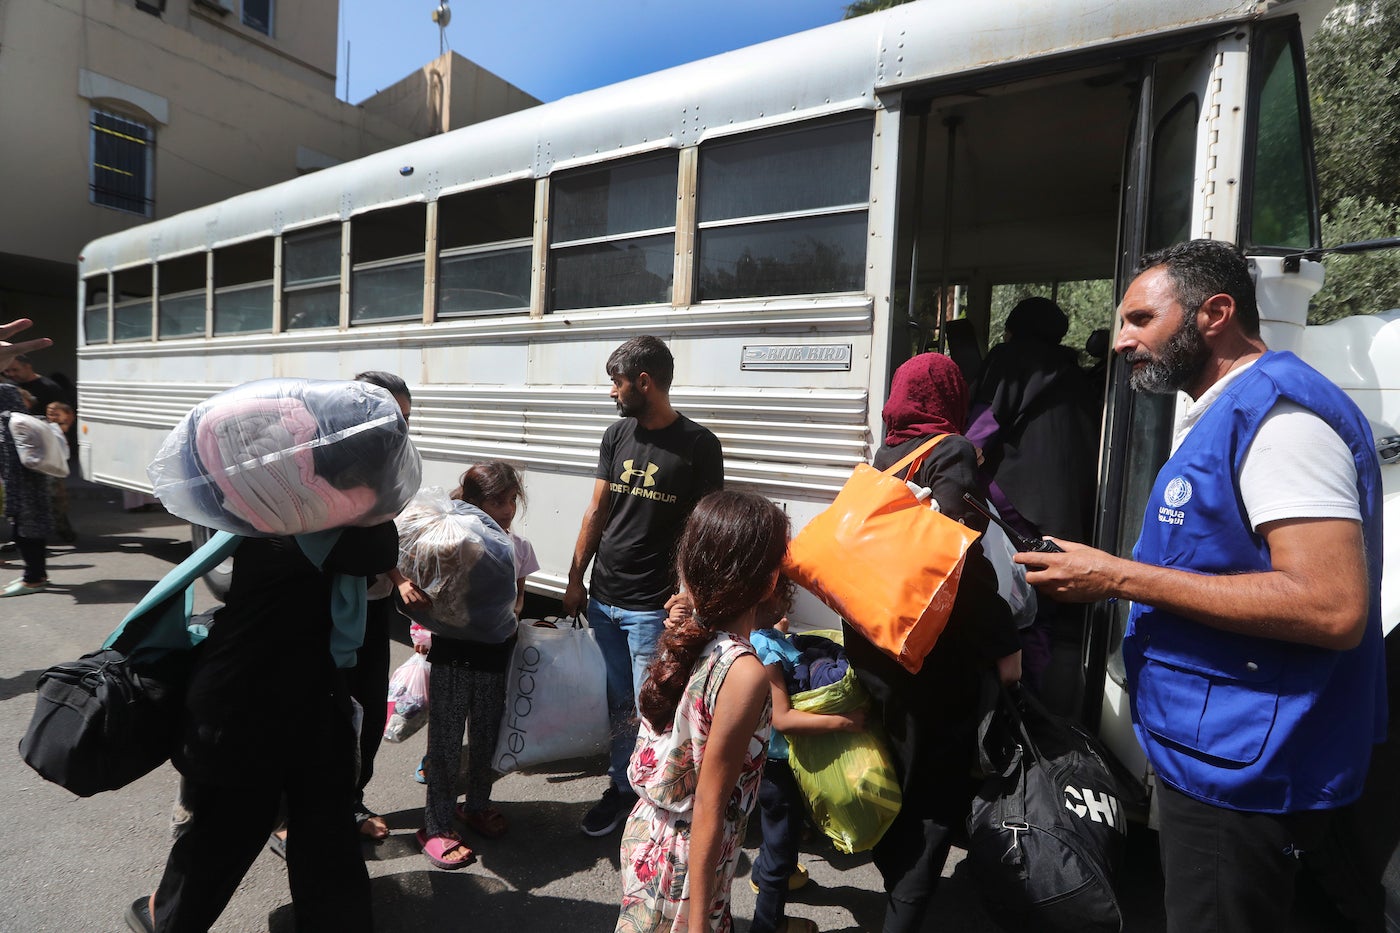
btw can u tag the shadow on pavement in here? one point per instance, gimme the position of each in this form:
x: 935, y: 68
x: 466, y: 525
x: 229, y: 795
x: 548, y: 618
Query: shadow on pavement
x: 413, y: 901
x: 18, y: 685
x: 105, y: 592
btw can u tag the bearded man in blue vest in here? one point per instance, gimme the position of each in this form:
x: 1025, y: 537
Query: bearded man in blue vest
x: 1254, y: 647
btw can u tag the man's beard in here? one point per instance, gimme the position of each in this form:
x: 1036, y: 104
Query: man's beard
x: 630, y: 409
x: 1182, y: 360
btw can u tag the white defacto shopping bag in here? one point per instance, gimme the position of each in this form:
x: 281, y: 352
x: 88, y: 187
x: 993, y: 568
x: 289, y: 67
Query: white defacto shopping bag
x: 556, y: 697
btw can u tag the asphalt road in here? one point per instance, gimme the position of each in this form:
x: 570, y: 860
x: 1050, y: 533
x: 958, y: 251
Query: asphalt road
x: 73, y: 865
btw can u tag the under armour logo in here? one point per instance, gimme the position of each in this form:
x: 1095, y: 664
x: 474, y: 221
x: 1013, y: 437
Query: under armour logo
x: 648, y: 475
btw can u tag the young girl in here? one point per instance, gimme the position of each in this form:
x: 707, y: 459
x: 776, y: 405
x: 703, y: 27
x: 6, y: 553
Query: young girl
x: 780, y: 802
x: 467, y: 686
x: 704, y: 723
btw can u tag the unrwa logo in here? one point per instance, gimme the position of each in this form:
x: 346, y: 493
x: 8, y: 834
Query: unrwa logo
x: 1101, y: 808
x: 1178, y: 492
x: 648, y: 474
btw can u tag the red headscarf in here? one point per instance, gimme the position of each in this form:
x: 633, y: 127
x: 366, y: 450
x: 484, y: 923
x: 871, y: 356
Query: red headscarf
x: 927, y: 396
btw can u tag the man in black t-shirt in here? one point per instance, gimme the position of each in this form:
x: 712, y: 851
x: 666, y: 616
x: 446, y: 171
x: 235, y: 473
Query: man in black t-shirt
x: 653, y: 466
x: 21, y: 372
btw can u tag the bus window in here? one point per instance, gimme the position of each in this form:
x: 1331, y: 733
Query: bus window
x: 131, y: 315
x: 1280, y: 193
x: 386, y: 253
x: 311, y: 278
x: 785, y: 213
x: 183, y: 284
x: 243, y: 288
x: 612, y: 234
x: 484, y: 247
x: 1173, y: 168
x: 95, y: 289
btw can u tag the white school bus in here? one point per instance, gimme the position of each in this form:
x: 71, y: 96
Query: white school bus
x: 783, y: 216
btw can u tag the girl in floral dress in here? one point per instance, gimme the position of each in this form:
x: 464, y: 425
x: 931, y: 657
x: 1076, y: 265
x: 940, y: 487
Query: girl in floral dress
x: 703, y: 736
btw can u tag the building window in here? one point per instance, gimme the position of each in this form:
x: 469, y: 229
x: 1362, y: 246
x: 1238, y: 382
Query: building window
x: 122, y: 151
x: 153, y: 7
x: 257, y: 14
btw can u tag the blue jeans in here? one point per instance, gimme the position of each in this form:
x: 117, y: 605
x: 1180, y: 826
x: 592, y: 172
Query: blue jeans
x: 627, y: 638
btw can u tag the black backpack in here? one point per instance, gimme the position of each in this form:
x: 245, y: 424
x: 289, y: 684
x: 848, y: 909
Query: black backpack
x: 1047, y: 831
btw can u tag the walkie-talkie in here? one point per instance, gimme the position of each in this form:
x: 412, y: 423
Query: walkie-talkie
x: 1018, y: 540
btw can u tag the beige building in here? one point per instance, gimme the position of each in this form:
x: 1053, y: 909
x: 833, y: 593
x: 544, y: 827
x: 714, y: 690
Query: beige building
x: 116, y: 112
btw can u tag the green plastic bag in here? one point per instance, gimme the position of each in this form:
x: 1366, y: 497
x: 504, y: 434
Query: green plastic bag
x: 848, y: 778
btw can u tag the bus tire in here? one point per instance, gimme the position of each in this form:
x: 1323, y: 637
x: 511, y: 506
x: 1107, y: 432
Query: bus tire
x: 220, y: 577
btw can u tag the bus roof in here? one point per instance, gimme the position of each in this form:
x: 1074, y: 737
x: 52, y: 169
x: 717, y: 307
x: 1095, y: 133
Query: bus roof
x: 765, y: 84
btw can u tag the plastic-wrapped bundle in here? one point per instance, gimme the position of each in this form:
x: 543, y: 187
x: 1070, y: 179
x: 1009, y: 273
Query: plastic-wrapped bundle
x: 287, y: 457
x: 464, y: 562
x: 848, y: 778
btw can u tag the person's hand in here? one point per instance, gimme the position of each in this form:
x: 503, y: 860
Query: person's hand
x: 8, y: 351
x: 1079, y: 575
x: 575, y: 599
x: 679, y: 608
x: 1009, y: 669
x: 413, y: 597
x: 854, y: 720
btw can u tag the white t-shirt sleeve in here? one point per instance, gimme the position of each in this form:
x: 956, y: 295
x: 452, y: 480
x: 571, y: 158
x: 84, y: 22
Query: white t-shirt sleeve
x: 1297, y: 467
x: 525, y: 561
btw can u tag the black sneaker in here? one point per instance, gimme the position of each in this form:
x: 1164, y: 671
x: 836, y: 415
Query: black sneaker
x: 607, y: 814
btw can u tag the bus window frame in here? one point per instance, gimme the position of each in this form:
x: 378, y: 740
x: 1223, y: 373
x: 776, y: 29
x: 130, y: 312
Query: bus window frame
x: 396, y: 261
x: 318, y: 283
x: 773, y: 219
x: 106, y: 305
x: 131, y: 303
x: 556, y: 248
x: 1257, y: 77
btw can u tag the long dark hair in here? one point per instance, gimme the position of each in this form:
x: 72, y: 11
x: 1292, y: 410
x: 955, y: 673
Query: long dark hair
x: 488, y: 480
x: 730, y: 549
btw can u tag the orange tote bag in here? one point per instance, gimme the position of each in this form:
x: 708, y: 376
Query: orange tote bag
x: 887, y: 562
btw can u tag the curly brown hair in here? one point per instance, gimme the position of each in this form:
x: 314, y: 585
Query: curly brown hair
x: 731, y: 547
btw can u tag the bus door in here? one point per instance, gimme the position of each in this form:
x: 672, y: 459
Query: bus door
x: 1167, y: 168
x: 1052, y: 182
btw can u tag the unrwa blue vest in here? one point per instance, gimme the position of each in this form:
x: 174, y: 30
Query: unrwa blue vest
x: 1234, y: 720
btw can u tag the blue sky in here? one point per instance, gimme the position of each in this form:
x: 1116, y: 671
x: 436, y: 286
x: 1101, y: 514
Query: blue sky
x: 551, y: 48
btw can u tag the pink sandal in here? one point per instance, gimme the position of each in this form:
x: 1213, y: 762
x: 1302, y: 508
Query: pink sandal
x: 437, y: 848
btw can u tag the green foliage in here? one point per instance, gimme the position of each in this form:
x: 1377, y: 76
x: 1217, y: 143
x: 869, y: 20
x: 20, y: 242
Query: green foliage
x: 1354, y: 80
x: 1354, y: 73
x: 861, y: 7
x: 1367, y: 282
x: 1088, y: 304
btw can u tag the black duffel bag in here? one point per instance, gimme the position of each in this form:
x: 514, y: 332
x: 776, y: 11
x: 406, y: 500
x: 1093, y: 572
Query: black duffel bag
x: 1047, y: 831
x: 102, y: 721
x: 114, y: 715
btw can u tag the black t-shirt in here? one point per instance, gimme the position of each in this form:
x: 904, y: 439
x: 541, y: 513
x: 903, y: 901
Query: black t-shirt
x: 44, y: 390
x: 656, y: 477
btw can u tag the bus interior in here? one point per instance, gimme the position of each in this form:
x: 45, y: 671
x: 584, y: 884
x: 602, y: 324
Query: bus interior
x: 1015, y: 188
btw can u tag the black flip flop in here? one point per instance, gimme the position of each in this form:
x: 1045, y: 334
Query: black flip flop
x: 138, y: 916
x: 277, y: 845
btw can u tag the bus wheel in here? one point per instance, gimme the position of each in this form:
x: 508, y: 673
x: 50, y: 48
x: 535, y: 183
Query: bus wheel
x: 219, y: 578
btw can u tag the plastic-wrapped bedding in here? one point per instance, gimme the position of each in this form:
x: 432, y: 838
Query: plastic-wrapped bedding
x: 464, y: 562
x: 287, y: 457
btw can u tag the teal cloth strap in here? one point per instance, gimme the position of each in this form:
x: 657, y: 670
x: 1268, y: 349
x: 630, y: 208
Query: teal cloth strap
x: 160, y: 621
x: 348, y: 598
